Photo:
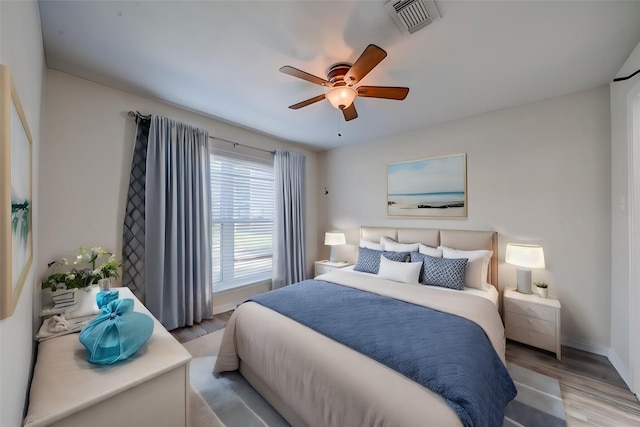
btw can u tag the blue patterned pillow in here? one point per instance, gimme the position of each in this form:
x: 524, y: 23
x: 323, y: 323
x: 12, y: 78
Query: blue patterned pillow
x: 443, y: 272
x: 369, y: 259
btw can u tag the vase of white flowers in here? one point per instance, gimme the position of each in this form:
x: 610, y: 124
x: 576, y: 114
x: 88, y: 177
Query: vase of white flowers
x: 79, y: 277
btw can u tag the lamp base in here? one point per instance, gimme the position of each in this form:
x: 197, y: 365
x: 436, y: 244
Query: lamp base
x: 333, y: 257
x: 524, y: 281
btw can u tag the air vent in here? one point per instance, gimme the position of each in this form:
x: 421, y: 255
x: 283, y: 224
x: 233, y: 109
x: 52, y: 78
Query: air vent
x: 411, y: 15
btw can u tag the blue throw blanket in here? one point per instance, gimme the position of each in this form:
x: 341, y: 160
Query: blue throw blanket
x: 447, y: 354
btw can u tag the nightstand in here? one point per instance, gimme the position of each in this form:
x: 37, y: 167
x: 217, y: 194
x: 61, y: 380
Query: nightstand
x: 325, y: 266
x: 532, y: 320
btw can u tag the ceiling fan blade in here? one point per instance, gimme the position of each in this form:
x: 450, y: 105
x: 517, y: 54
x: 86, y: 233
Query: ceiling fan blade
x: 307, y: 102
x: 305, y: 76
x: 371, y: 57
x: 350, y: 112
x: 385, y: 92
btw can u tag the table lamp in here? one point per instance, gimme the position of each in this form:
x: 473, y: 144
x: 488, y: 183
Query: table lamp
x: 334, y: 238
x: 525, y: 257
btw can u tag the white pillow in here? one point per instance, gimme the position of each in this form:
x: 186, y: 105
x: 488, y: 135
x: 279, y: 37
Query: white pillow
x: 428, y: 250
x: 405, y: 272
x: 477, y: 265
x: 391, y: 245
x: 369, y: 244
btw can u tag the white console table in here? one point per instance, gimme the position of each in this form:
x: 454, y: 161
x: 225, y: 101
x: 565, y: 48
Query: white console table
x: 149, y: 389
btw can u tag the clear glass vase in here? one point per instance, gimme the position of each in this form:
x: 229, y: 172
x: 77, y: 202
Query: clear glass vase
x: 104, y: 284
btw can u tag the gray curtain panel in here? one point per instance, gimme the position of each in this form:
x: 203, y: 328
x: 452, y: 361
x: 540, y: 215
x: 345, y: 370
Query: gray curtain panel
x: 289, y: 261
x: 133, y: 231
x: 178, y: 224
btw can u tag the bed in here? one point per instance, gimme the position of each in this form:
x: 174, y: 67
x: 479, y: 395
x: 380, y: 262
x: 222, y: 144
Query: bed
x: 314, y: 380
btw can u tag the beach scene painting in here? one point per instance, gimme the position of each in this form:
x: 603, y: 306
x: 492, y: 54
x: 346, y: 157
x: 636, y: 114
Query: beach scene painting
x: 434, y: 188
x: 20, y: 199
x: 16, y: 216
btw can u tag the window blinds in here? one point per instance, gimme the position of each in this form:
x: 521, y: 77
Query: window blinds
x: 242, y: 219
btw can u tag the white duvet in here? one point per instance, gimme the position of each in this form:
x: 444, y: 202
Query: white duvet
x: 316, y: 381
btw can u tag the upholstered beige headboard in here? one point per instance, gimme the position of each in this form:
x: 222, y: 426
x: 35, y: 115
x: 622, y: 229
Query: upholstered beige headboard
x: 456, y: 239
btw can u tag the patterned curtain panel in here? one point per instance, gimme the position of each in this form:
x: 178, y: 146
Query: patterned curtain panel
x: 178, y: 224
x: 133, y: 234
x: 289, y: 261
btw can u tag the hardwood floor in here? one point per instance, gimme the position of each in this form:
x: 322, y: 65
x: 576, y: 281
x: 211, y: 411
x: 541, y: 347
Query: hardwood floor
x: 205, y: 327
x: 593, y: 392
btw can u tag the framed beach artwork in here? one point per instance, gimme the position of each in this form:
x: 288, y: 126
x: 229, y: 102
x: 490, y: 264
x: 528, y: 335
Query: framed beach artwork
x: 16, y: 240
x: 431, y: 188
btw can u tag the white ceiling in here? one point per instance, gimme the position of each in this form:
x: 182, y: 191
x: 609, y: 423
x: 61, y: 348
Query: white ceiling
x: 221, y: 58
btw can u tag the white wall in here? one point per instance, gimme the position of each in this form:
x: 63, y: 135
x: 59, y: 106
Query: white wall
x: 622, y: 151
x: 537, y: 173
x: 21, y: 49
x: 85, y: 177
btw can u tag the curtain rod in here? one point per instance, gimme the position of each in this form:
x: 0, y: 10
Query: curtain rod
x: 237, y: 144
x: 136, y: 115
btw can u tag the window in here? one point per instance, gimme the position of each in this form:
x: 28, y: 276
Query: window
x: 242, y: 219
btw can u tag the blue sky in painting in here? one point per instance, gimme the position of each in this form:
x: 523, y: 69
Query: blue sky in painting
x: 445, y: 174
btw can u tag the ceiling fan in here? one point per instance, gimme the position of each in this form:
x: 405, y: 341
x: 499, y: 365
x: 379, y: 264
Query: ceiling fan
x: 342, y: 76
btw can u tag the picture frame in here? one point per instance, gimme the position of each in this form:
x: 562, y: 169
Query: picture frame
x: 430, y: 188
x: 16, y: 196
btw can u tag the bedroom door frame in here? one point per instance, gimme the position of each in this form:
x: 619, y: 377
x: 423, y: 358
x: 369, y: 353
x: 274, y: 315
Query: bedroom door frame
x: 633, y: 111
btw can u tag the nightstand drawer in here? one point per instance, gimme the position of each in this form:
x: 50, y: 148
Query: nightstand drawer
x: 321, y: 269
x: 536, y: 339
x: 545, y: 327
x: 530, y: 310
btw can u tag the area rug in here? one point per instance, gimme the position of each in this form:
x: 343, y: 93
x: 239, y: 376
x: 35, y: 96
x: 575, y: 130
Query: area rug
x: 232, y: 399
x: 237, y: 404
x: 538, y: 403
x: 200, y: 413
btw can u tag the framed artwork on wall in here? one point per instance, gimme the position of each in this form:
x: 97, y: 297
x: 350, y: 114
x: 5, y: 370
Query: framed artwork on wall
x: 16, y: 240
x: 430, y: 188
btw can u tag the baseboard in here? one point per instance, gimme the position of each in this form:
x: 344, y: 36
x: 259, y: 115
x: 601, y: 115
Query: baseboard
x: 591, y: 348
x: 217, y: 309
x: 622, y: 369
x: 230, y: 298
x: 607, y: 352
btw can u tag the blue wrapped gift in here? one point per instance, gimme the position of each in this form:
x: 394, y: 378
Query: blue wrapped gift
x: 117, y: 333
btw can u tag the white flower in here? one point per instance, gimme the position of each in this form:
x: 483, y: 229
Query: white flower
x: 96, y: 267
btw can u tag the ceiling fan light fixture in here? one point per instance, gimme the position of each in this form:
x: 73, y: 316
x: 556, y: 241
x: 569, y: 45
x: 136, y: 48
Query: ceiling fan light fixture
x: 341, y: 96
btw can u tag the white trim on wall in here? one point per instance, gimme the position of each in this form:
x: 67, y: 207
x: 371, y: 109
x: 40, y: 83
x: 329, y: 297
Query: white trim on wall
x: 617, y: 363
x: 586, y: 346
x: 229, y: 299
x: 625, y: 230
x: 632, y: 378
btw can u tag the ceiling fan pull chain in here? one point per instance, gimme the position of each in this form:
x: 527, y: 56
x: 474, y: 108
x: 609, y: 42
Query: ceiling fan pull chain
x: 339, y: 112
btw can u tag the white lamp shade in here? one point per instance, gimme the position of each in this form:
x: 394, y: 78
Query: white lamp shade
x: 341, y: 96
x: 332, y: 238
x: 526, y: 256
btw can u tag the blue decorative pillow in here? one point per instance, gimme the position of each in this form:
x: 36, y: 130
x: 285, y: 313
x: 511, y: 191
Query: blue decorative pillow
x: 443, y: 272
x: 116, y: 333
x: 369, y: 259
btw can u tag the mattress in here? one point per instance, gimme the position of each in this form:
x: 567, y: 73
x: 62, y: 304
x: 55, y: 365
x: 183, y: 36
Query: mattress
x: 315, y: 381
